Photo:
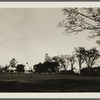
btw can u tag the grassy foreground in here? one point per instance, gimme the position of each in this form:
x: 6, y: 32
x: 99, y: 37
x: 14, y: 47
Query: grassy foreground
x: 48, y: 83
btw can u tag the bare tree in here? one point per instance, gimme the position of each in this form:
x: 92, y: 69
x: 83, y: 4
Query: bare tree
x: 72, y: 61
x: 63, y: 60
x: 91, y: 57
x: 80, y: 54
x: 81, y: 19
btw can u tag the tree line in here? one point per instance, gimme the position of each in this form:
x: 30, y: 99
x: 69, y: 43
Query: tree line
x: 78, y: 20
x: 88, y: 57
x: 85, y: 59
x: 13, y: 67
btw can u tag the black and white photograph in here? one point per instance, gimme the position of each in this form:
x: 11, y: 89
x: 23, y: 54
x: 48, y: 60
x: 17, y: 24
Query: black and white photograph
x: 50, y: 49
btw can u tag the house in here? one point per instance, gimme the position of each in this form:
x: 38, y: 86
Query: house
x: 11, y: 69
x: 28, y: 69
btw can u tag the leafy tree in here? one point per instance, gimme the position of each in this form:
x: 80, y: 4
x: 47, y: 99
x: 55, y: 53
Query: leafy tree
x: 80, y: 54
x: 46, y: 67
x: 56, y: 58
x: 81, y: 19
x: 20, y: 68
x: 1, y: 67
x: 50, y: 66
x: 95, y: 71
x: 39, y: 68
x: 5, y: 68
x: 48, y: 58
x: 13, y: 62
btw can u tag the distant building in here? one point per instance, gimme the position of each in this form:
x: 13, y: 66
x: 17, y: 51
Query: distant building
x: 11, y: 69
x: 28, y: 69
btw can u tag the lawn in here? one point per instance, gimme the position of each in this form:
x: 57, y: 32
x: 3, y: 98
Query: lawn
x: 48, y: 83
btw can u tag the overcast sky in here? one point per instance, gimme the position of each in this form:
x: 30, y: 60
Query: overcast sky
x: 28, y: 34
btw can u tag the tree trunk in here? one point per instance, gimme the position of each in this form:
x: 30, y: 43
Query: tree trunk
x: 80, y: 64
x: 72, y: 67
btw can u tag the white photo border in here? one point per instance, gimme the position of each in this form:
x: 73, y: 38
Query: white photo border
x: 49, y: 95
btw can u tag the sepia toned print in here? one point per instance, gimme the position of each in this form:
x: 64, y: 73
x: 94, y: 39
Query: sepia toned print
x: 50, y: 49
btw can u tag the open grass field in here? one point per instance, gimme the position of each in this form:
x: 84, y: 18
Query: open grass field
x: 48, y: 83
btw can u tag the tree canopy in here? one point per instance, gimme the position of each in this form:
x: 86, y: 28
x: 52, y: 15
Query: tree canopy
x: 91, y: 56
x: 13, y: 62
x: 81, y: 19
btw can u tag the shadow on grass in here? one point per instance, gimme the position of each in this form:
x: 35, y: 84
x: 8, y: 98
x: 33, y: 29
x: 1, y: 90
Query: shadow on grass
x: 53, y: 85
